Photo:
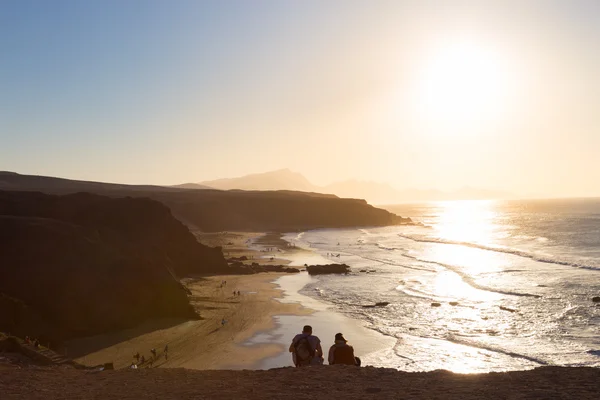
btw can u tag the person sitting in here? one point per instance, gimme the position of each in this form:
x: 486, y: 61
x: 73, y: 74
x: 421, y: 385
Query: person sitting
x: 306, y: 348
x: 341, y: 352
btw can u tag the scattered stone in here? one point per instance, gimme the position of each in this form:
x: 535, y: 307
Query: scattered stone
x: 596, y: 299
x: 507, y: 309
x: 436, y: 304
x: 453, y: 303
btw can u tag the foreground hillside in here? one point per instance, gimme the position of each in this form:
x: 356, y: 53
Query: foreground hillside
x: 235, y: 210
x: 330, y: 382
x: 83, y: 264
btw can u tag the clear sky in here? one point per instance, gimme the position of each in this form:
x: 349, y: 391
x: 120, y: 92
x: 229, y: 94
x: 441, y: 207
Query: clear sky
x: 430, y: 94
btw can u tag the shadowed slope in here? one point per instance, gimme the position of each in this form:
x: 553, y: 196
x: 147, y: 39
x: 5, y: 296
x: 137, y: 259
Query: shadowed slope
x: 83, y: 264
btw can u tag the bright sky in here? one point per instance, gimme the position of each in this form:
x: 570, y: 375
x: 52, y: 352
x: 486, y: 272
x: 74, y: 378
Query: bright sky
x: 430, y: 94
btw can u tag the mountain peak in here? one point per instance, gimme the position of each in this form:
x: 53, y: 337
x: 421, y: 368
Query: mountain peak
x: 281, y: 179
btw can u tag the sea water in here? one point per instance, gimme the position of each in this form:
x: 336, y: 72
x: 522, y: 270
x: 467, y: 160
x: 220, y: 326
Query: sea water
x: 514, y: 281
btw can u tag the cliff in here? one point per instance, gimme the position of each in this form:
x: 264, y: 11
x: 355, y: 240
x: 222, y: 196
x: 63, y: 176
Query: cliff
x: 83, y: 264
x: 217, y: 210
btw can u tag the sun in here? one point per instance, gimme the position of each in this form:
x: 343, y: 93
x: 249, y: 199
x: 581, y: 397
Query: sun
x: 463, y: 83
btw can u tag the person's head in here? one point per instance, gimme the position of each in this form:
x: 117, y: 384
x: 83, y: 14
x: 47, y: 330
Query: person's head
x: 340, y: 337
x: 307, y: 329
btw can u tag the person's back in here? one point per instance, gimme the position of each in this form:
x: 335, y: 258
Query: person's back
x: 341, y: 352
x: 306, y: 349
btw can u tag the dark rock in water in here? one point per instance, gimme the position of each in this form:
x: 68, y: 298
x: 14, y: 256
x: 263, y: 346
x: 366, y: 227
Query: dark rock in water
x: 378, y: 304
x: 453, y: 303
x: 328, y: 269
x: 363, y: 270
x: 596, y: 299
x: 436, y: 305
x: 507, y: 309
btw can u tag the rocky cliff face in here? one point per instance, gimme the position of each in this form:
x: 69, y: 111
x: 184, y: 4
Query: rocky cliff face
x: 84, y: 264
x: 213, y: 211
x: 217, y: 210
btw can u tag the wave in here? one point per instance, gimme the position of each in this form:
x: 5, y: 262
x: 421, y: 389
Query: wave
x: 481, y: 346
x: 470, y: 281
x: 389, y: 262
x: 498, y: 249
x: 462, y: 342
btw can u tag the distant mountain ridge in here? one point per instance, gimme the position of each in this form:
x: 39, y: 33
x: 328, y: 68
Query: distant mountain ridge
x: 373, y: 192
x: 283, y: 179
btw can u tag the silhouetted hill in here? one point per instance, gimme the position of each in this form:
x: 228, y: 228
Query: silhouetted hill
x: 218, y: 210
x: 191, y: 186
x: 282, y: 179
x: 213, y: 211
x: 373, y: 192
x: 83, y: 264
x: 14, y: 181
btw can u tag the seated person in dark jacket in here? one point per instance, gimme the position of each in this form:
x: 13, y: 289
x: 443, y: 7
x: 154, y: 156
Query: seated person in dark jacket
x: 341, y: 352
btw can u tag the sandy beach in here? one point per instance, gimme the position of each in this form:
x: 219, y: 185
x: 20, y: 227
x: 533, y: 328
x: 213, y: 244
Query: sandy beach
x: 205, y: 343
x: 259, y: 323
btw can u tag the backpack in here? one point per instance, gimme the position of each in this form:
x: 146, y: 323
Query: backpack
x: 303, y: 350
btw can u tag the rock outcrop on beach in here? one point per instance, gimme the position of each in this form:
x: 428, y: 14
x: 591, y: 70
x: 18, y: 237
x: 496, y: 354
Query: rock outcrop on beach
x: 84, y: 264
x: 234, y: 210
x: 237, y: 267
x: 328, y: 269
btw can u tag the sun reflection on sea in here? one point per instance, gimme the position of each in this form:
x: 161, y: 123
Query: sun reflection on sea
x: 467, y: 221
x: 461, y: 226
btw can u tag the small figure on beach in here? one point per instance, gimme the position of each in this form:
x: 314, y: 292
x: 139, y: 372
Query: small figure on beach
x: 27, y: 340
x: 234, y: 292
x: 137, y: 356
x: 153, y: 351
x: 341, y: 352
x: 142, y: 360
x: 166, y: 348
x: 306, y: 348
x: 36, y: 344
x: 239, y: 293
x: 223, y: 322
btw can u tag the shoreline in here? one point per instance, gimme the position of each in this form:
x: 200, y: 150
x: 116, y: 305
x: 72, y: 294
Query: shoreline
x: 325, y: 322
x: 259, y: 324
x: 205, y: 343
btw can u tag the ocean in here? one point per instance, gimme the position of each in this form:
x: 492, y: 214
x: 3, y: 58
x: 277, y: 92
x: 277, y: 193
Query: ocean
x: 513, y: 282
